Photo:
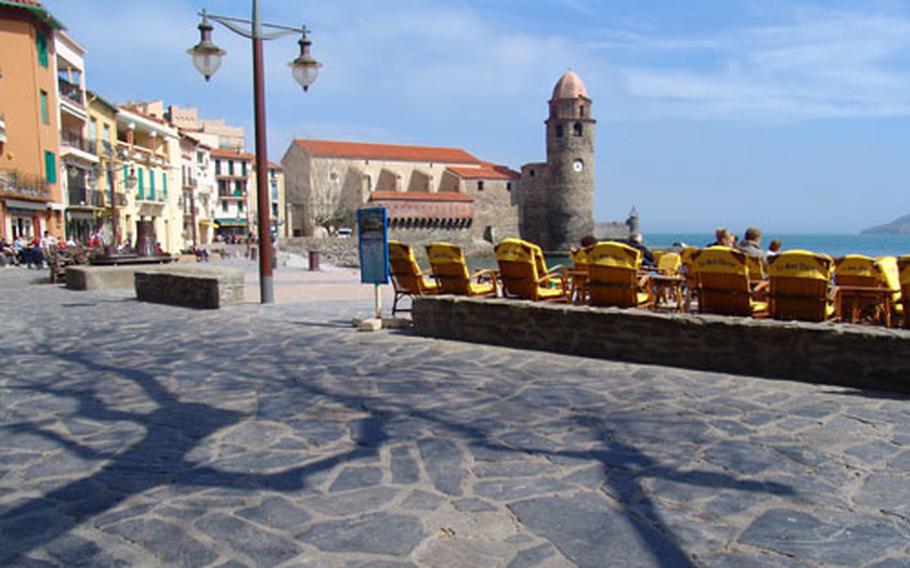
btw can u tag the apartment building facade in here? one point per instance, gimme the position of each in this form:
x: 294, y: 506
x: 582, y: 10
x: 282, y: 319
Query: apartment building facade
x: 148, y: 155
x: 200, y: 194
x: 236, y: 210
x: 83, y: 203
x: 30, y: 186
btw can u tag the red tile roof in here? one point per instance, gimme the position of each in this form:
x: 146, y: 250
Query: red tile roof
x: 486, y: 171
x: 229, y: 153
x: 419, y: 196
x: 37, y: 10
x: 363, y: 150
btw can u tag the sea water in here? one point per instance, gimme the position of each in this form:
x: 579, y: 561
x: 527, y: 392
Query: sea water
x: 831, y: 244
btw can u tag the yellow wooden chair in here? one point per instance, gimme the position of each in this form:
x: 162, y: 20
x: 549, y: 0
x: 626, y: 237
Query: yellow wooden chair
x: 903, y: 266
x: 451, y: 271
x: 669, y: 263
x: 801, y: 286
x: 525, y: 275
x: 689, y: 271
x: 613, y: 278
x: 869, y: 288
x: 669, y: 284
x: 757, y: 271
x: 578, y: 274
x: 408, y: 279
x: 723, y: 283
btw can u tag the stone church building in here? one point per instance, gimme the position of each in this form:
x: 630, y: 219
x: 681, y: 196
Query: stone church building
x: 449, y: 194
x: 446, y: 192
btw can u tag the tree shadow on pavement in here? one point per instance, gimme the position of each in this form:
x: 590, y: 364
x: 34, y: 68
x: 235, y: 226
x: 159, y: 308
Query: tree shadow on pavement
x: 174, y: 428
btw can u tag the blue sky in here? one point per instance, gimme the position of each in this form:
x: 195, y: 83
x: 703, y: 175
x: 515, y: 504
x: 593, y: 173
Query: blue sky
x: 794, y: 116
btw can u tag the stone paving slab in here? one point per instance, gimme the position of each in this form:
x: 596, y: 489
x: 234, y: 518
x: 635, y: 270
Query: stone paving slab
x: 144, y: 435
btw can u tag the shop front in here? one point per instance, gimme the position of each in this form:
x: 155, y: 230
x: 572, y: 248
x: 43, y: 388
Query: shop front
x: 80, y: 225
x: 23, y: 218
x: 231, y: 229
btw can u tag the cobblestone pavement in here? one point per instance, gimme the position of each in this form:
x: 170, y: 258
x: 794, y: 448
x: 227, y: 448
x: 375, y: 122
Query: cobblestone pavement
x: 139, y: 434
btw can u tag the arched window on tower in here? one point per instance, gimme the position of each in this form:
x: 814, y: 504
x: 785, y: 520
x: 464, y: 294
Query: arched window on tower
x: 559, y: 131
x: 577, y: 128
x: 581, y: 111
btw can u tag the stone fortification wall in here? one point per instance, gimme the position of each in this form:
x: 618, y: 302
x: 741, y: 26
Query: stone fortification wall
x: 343, y: 252
x: 840, y: 354
x: 532, y: 200
x: 495, y: 209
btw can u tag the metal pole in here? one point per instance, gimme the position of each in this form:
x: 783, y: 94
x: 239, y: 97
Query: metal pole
x: 115, y: 236
x: 263, y: 200
x: 377, y: 296
x: 193, y: 211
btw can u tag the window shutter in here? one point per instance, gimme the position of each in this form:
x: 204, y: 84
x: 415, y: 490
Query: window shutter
x: 41, y: 45
x: 50, y: 167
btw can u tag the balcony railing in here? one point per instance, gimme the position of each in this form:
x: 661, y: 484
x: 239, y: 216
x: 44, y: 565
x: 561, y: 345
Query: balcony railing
x: 190, y: 182
x: 85, y: 197
x: 16, y: 184
x: 71, y: 92
x: 75, y: 140
x: 140, y: 153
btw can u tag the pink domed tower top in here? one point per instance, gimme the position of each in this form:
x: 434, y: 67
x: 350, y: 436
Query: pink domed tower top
x: 569, y: 86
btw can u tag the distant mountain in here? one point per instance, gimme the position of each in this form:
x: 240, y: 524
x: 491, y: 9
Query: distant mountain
x: 899, y: 226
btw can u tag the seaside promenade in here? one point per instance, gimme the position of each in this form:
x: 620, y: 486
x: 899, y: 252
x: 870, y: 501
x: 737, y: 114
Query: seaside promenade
x: 146, y: 435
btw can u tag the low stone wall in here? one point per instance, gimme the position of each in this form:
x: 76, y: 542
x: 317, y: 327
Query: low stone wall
x: 840, y: 354
x: 192, y: 287
x: 337, y: 251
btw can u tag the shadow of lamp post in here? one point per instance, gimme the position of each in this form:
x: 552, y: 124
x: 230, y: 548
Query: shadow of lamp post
x: 207, y: 59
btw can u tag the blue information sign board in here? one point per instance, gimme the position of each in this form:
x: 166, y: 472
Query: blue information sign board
x: 373, y: 245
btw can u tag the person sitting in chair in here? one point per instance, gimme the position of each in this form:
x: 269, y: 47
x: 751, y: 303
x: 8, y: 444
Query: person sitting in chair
x: 636, y: 240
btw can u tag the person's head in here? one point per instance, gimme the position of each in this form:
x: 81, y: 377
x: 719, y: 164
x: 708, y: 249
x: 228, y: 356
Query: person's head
x: 724, y: 237
x: 47, y: 234
x: 637, y: 238
x: 774, y: 246
x: 588, y: 240
x: 753, y: 234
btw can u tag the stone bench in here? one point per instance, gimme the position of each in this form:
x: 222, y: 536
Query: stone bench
x: 190, y: 286
x: 841, y: 354
x: 87, y: 277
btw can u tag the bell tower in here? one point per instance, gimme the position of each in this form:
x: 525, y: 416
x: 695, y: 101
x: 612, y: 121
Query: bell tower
x: 570, y: 164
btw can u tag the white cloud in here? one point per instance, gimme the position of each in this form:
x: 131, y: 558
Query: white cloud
x: 819, y: 65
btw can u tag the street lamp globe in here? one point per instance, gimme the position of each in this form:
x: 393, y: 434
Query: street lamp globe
x: 206, y: 55
x: 305, y: 68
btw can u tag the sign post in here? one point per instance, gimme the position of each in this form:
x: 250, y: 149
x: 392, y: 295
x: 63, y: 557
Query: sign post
x: 373, y: 246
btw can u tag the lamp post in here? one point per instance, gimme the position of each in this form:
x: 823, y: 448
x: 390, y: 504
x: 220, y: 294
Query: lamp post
x: 207, y: 59
x: 128, y: 183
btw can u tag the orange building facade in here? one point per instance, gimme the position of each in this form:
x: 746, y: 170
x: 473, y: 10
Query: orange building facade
x: 30, y: 200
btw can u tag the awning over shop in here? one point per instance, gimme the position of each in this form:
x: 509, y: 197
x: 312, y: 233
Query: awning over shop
x: 230, y: 222
x: 75, y: 214
x: 206, y: 222
x: 27, y: 205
